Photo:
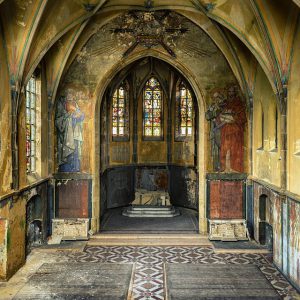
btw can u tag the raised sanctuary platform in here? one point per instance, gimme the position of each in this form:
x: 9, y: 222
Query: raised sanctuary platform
x: 150, y: 211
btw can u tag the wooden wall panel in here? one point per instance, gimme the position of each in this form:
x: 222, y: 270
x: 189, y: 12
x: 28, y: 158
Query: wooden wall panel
x: 72, y: 199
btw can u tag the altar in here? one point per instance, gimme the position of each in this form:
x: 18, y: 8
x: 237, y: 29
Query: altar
x: 151, y: 204
x: 153, y: 198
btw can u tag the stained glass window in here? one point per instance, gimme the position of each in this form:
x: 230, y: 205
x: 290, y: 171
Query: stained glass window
x: 152, y: 109
x: 31, y: 98
x: 184, y: 109
x: 120, y: 117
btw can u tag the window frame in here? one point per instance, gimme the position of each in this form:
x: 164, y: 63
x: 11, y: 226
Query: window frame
x: 31, y: 122
x: 179, y: 137
x: 126, y: 116
x: 158, y: 86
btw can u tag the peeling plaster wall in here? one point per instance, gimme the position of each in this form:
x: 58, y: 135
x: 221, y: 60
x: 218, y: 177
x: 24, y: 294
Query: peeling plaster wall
x: 293, y: 167
x: 5, y: 123
x: 12, y: 238
x: 3, y: 248
x: 266, y: 157
x: 283, y: 214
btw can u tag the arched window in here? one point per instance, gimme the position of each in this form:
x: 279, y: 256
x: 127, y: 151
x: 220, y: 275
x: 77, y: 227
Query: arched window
x: 152, y: 109
x: 31, y: 115
x: 120, y: 115
x: 184, y: 112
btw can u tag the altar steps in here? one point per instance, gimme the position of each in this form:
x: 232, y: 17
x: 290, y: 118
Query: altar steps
x: 149, y: 240
x: 150, y: 211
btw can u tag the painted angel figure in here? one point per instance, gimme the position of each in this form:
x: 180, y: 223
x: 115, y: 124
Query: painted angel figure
x: 68, y: 122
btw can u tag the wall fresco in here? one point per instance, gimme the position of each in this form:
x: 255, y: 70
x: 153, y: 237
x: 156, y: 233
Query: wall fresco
x: 68, y: 121
x: 227, y: 125
x: 277, y: 236
x: 294, y: 242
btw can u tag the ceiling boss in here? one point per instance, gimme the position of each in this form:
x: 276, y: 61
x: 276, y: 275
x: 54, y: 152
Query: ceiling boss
x: 149, y: 29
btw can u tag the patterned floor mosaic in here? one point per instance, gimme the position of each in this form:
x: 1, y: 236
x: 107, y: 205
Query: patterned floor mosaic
x: 149, y: 274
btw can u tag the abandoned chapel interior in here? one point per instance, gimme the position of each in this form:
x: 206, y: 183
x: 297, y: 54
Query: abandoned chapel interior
x: 149, y: 149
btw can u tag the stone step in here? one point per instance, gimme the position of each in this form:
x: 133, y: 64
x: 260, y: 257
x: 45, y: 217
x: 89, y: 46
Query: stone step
x: 149, y: 236
x: 151, y: 207
x: 149, y: 240
x: 150, y: 212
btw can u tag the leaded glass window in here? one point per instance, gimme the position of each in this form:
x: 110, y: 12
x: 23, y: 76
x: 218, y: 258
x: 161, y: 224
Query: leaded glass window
x: 152, y: 109
x: 120, y: 116
x: 184, y: 109
x: 31, y: 98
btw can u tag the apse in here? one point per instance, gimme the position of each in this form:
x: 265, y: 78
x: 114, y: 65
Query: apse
x: 148, y: 137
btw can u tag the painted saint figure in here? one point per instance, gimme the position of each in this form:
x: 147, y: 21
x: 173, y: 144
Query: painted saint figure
x: 228, y: 119
x: 68, y: 122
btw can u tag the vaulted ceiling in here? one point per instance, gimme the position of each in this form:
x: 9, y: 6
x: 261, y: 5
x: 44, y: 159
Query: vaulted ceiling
x: 248, y: 32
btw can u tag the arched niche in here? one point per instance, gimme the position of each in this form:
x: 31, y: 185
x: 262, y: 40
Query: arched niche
x: 129, y: 163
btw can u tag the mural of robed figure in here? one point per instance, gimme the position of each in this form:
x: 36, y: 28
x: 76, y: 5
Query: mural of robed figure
x: 69, y: 122
x: 228, y: 119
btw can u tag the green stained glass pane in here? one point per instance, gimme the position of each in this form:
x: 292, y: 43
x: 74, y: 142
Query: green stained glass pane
x: 32, y: 115
x: 27, y: 115
x: 27, y: 99
x: 32, y: 164
x: 33, y: 99
x: 32, y: 148
x: 32, y: 133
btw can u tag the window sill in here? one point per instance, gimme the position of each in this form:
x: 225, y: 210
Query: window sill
x: 153, y: 139
x: 33, y: 177
x: 183, y: 139
x: 120, y: 139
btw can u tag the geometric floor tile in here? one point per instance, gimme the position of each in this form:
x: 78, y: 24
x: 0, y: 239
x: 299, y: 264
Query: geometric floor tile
x: 149, y: 261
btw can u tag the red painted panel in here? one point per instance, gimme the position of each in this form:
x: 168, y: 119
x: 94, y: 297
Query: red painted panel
x: 226, y: 199
x: 215, y: 200
x: 232, y: 199
x: 73, y: 199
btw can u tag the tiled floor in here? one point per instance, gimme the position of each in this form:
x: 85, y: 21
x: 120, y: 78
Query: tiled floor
x: 149, y: 261
x: 148, y: 278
